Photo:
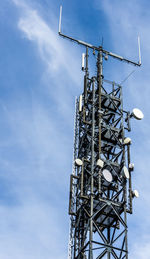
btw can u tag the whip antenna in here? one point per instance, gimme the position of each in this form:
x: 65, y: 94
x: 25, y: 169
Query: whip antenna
x: 60, y: 17
x: 139, y: 50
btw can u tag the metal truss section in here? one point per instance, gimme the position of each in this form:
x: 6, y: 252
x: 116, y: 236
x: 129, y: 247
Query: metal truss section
x: 100, y: 186
x: 99, y: 209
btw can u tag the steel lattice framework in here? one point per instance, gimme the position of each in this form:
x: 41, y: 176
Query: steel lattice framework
x: 100, y: 184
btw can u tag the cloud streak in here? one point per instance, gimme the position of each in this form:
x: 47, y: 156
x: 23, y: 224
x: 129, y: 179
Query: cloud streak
x: 50, y: 47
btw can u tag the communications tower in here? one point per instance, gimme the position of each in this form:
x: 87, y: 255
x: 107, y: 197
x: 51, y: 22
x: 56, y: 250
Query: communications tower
x: 101, y: 181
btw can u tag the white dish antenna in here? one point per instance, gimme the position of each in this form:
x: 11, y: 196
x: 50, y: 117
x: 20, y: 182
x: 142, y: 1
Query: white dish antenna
x: 127, y: 141
x: 78, y: 162
x: 125, y: 172
x: 137, y: 114
x: 135, y: 193
x: 131, y: 166
x: 107, y: 175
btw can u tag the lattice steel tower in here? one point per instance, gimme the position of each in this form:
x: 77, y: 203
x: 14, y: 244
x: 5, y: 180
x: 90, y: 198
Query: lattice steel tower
x: 100, y: 185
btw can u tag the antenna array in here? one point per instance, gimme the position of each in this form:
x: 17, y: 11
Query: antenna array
x: 101, y: 182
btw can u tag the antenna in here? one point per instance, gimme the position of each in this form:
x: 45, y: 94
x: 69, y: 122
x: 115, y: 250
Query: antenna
x: 139, y: 50
x: 100, y: 48
x: 83, y: 61
x: 60, y: 19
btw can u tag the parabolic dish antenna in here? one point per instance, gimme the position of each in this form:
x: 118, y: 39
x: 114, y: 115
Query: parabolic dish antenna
x: 125, y: 172
x: 78, y: 162
x: 107, y: 175
x: 137, y: 114
x: 127, y: 141
x: 131, y: 166
x: 136, y: 193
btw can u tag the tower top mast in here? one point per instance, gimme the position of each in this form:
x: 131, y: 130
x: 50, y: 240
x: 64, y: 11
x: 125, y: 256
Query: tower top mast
x: 100, y: 48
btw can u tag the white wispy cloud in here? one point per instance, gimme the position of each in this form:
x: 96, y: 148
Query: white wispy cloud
x: 50, y: 47
x: 61, y: 64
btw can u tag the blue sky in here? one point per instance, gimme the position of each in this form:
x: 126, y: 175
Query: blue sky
x: 40, y: 76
